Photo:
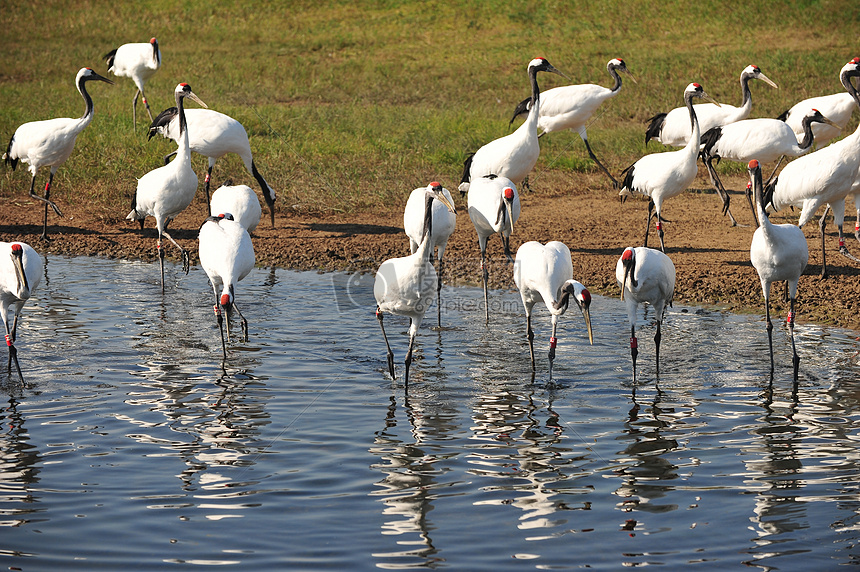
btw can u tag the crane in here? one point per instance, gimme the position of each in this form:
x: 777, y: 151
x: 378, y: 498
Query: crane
x: 763, y: 139
x: 572, y: 106
x: 405, y: 285
x: 139, y: 62
x: 778, y: 252
x: 664, y: 175
x: 544, y: 273
x: 494, y: 207
x: 238, y: 200
x: 50, y: 142
x: 227, y: 256
x: 671, y: 128
x: 443, y: 223
x: 824, y: 176
x: 20, y: 273
x: 646, y: 276
x: 838, y: 107
x: 213, y: 135
x: 166, y: 191
x: 512, y: 156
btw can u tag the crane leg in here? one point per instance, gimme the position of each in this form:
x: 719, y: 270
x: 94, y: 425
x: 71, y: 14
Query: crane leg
x: 721, y: 190
x: 821, y: 224
x: 160, y: 249
x: 634, y: 349
x: 769, y: 330
x: 660, y: 232
x: 795, y: 359
x: 146, y: 103
x: 244, y: 322
x: 553, y: 341
x: 46, y: 200
x: 657, y: 337
x: 408, y: 361
x: 134, y: 110
x: 648, y: 223
x: 439, y: 296
x: 220, y: 319
x: 531, y: 337
x: 599, y: 164
x: 506, y: 242
x: 186, y: 259
x: 206, y: 188
x: 387, y: 345
x: 843, y: 250
x: 485, y: 276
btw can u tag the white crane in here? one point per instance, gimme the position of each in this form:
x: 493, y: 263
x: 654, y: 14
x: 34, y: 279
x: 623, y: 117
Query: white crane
x: 672, y: 128
x: 213, y: 135
x: 838, y: 107
x: 240, y: 201
x: 763, y: 139
x: 778, y: 252
x: 166, y: 191
x: 512, y: 156
x: 136, y: 61
x: 20, y: 273
x: 443, y: 223
x: 825, y: 176
x: 572, y: 106
x: 664, y: 175
x: 227, y: 256
x: 646, y: 276
x: 50, y: 142
x: 405, y: 285
x: 494, y: 207
x: 545, y: 273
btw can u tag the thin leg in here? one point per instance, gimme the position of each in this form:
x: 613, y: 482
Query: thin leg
x: 186, y: 259
x: 843, y: 250
x: 485, y: 276
x: 439, y: 296
x: 648, y: 223
x: 634, y: 349
x: 769, y: 330
x: 160, y: 249
x: 220, y: 319
x: 531, y: 337
x: 390, y: 353
x: 795, y: 359
x: 657, y: 337
x: 553, y: 341
x: 243, y: 321
x: 506, y: 242
x: 146, y: 103
x: 13, y: 351
x: 408, y: 360
x: 599, y: 164
x: 134, y: 110
x: 45, y: 200
x: 821, y: 224
x: 660, y: 232
x: 206, y: 188
x: 721, y: 190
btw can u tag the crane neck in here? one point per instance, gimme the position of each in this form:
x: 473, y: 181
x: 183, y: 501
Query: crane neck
x: 695, y: 134
x: 808, y: 136
x: 764, y: 221
x: 746, y: 94
x: 88, y: 101
x: 535, y: 88
x: 614, y: 73
x: 184, y: 147
x: 424, y: 247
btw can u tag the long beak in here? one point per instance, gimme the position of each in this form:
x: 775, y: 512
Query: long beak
x: 23, y: 286
x: 586, y: 313
x: 444, y: 200
x: 632, y: 77
x: 624, y: 283
x: 551, y: 68
x: 101, y: 78
x: 828, y: 122
x: 707, y: 97
x: 767, y: 80
x: 510, y: 218
x: 197, y: 99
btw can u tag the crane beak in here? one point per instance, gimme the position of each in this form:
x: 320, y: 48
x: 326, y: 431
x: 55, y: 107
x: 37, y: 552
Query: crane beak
x: 624, y: 283
x: 444, y: 200
x: 23, y: 286
x: 767, y: 80
x: 707, y: 97
x: 101, y: 78
x: 586, y: 313
x: 552, y: 69
x: 197, y: 99
x: 627, y: 71
x: 828, y: 122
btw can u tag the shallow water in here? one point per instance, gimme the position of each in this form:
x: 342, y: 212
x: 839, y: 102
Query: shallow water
x: 132, y: 448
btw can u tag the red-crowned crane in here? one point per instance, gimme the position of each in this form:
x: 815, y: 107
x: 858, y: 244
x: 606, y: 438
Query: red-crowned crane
x: 50, y: 142
x: 673, y: 128
x: 825, y: 176
x: 227, y: 256
x: 512, y: 156
x: 443, y: 223
x: 494, y: 207
x: 778, y: 252
x: 838, y: 107
x: 166, y: 191
x: 763, y: 139
x: 238, y: 200
x: 544, y: 273
x: 20, y: 273
x: 405, y: 285
x: 646, y: 276
x: 213, y: 135
x: 664, y: 175
x: 572, y: 106
x: 136, y: 61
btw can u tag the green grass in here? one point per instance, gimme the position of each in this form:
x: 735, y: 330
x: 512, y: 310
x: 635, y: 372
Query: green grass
x: 350, y: 105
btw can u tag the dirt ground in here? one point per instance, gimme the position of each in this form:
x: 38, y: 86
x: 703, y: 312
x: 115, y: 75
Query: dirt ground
x: 710, y: 255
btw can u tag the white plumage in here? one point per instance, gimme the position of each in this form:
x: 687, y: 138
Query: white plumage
x: 572, y: 107
x: 405, y: 285
x: 50, y: 142
x: 673, y: 128
x: 238, y: 200
x: 512, y: 156
x: 138, y: 62
x: 227, y: 256
x: 494, y: 207
x: 646, y: 276
x: 213, y: 135
x: 778, y: 252
x: 165, y: 192
x: 664, y: 175
x: 544, y: 273
x: 443, y: 223
x: 763, y: 139
x: 20, y: 274
x: 825, y: 176
x: 838, y: 107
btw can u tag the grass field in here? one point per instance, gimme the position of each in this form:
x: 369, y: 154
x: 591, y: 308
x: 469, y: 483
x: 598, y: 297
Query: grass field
x: 353, y: 104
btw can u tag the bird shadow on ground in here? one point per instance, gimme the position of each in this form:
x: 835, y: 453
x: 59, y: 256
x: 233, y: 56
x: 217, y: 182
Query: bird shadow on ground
x: 349, y: 229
